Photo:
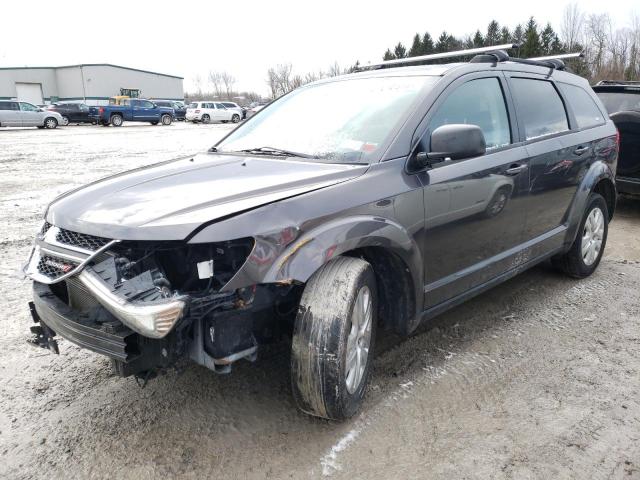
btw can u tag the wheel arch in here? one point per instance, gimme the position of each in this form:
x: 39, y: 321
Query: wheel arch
x: 599, y: 179
x: 386, y: 245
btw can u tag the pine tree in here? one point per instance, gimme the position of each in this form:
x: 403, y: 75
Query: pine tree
x: 546, y: 39
x: 518, y: 35
x: 531, y: 46
x: 478, y: 39
x: 416, y: 46
x: 388, y: 55
x: 505, y: 35
x: 400, y: 51
x: 493, y: 34
x: 427, y: 44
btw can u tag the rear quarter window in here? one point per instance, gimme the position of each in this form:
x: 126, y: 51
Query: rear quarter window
x: 584, y: 108
x: 540, y: 108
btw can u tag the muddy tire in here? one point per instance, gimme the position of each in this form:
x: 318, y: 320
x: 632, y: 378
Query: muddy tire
x: 585, y: 253
x: 333, y: 339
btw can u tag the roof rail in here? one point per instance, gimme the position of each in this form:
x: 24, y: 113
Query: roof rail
x: 437, y: 56
x: 632, y: 83
x: 561, y: 56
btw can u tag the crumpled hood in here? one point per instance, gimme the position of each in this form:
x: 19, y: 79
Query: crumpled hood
x: 170, y: 200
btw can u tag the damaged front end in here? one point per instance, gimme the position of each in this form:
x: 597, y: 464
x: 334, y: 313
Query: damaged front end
x: 146, y: 304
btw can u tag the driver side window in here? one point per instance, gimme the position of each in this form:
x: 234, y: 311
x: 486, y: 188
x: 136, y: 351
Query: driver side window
x: 478, y: 102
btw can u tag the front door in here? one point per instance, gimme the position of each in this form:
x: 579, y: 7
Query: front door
x: 474, y: 208
x: 31, y: 116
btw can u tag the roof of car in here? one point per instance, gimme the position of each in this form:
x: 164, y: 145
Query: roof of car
x: 442, y: 69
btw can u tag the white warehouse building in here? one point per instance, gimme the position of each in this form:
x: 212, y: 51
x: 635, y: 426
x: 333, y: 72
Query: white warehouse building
x: 92, y: 84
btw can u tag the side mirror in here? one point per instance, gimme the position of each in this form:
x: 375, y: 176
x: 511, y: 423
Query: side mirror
x: 456, y: 142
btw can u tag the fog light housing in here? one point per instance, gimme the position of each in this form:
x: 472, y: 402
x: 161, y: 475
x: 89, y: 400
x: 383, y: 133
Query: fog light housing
x: 150, y: 319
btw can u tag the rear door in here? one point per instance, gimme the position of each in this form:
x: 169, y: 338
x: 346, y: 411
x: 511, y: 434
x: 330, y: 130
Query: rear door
x: 474, y: 207
x: 10, y: 115
x: 560, y: 152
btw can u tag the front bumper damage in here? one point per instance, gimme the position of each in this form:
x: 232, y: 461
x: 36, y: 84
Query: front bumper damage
x: 142, y: 322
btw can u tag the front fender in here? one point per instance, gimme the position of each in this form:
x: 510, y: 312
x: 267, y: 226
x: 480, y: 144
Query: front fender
x: 271, y: 262
x: 597, y: 172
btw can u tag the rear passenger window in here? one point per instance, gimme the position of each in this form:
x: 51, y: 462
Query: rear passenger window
x: 478, y: 102
x: 540, y: 107
x: 584, y: 108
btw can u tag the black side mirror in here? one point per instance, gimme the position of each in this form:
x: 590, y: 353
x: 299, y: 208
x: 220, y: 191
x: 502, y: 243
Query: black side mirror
x: 456, y: 142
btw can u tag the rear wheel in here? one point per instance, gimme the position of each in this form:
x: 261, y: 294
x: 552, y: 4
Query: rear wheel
x: 166, y: 119
x: 585, y: 253
x: 50, y: 122
x: 116, y: 120
x: 333, y: 339
x: 153, y: 123
x: 65, y: 121
x: 206, y: 118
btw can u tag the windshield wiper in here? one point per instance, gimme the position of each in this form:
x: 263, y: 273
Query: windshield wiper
x: 277, y: 151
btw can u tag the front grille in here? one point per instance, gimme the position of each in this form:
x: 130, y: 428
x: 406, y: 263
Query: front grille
x: 53, y: 267
x: 45, y: 227
x: 81, y: 240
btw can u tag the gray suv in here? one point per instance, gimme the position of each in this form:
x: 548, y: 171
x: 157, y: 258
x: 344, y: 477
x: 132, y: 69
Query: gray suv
x: 352, y: 207
x: 23, y: 114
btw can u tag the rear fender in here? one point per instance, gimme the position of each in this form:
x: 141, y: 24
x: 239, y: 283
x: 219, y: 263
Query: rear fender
x: 598, y: 171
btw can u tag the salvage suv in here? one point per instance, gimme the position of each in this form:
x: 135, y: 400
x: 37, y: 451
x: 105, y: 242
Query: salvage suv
x: 352, y: 206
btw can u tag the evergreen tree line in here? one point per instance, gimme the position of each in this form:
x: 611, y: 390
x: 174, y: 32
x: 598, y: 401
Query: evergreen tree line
x: 609, y: 53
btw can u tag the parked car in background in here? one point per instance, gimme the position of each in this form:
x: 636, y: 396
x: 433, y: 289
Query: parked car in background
x: 622, y: 100
x: 332, y: 226
x: 208, y: 111
x: 23, y: 114
x: 253, y: 110
x: 179, y: 109
x: 134, y: 110
x: 75, y: 112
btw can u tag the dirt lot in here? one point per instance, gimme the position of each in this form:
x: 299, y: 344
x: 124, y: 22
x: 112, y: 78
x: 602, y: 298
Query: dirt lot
x: 538, y: 378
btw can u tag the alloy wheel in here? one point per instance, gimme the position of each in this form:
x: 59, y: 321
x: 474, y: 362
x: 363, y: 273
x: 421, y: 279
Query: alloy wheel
x: 592, y: 235
x: 359, y: 340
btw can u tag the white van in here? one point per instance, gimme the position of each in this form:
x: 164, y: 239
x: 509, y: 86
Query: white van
x: 23, y: 114
x: 208, y: 111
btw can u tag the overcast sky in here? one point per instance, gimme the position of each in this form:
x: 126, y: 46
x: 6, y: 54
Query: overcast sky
x: 245, y: 38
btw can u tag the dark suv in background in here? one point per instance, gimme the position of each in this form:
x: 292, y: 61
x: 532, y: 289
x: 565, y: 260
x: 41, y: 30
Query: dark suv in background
x: 622, y: 100
x: 75, y: 112
x: 429, y: 185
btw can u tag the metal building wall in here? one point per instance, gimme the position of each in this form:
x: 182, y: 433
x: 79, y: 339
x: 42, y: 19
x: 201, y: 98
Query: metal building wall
x: 45, y: 76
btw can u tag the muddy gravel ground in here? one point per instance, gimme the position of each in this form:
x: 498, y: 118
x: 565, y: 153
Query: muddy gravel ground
x: 537, y: 378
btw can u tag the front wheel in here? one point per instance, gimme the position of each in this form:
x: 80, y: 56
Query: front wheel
x: 235, y: 118
x: 50, y: 123
x: 333, y: 338
x: 166, y: 119
x: 585, y: 253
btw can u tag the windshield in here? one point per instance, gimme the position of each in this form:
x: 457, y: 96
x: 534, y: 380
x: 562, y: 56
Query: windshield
x: 341, y: 121
x: 620, y: 101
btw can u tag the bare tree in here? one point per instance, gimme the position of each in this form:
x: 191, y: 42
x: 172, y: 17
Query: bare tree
x: 572, y: 26
x: 229, y: 82
x: 598, y: 31
x: 215, y: 79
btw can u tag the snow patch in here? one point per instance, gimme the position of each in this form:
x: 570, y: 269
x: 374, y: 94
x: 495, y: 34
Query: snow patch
x: 330, y: 461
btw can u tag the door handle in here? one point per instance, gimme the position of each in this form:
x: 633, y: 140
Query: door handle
x: 580, y: 150
x: 515, y: 169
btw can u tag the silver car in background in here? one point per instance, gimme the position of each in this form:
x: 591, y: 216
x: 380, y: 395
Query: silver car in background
x: 23, y: 114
